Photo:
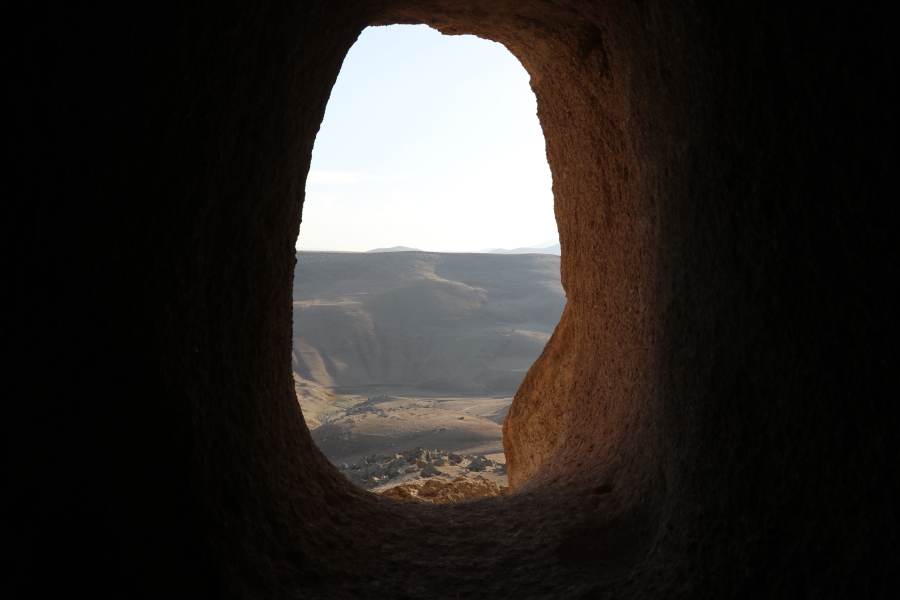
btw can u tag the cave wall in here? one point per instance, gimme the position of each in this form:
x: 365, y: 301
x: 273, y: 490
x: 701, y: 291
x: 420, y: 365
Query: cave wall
x: 712, y: 417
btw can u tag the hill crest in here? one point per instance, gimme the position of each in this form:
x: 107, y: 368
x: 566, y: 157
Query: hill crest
x: 433, y: 323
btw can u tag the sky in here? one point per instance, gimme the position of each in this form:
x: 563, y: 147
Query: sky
x: 432, y: 142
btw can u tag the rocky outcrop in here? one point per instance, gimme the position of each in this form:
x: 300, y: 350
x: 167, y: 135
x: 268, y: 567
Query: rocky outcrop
x: 443, y: 492
x: 378, y: 469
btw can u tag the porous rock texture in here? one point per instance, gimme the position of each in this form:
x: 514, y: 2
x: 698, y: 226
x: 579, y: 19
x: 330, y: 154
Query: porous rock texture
x: 709, y: 420
x: 443, y: 492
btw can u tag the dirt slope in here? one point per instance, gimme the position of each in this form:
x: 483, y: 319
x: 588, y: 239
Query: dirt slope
x: 423, y: 323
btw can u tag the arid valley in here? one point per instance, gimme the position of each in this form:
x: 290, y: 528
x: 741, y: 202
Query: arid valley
x: 405, y: 363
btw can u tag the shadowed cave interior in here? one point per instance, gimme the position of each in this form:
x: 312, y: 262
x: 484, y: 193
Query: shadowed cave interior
x: 709, y: 419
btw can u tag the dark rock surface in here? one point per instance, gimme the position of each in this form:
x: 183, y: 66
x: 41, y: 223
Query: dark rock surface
x: 429, y: 470
x: 714, y: 417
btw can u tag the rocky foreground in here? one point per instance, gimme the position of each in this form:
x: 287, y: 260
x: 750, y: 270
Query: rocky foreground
x: 427, y: 475
x: 443, y: 492
x: 350, y: 428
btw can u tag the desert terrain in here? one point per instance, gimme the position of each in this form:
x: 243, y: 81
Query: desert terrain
x: 404, y: 353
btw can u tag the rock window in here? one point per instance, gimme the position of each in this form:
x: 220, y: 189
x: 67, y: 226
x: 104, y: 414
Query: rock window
x: 430, y: 279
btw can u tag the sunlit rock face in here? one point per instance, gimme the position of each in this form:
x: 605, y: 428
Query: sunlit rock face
x: 708, y: 420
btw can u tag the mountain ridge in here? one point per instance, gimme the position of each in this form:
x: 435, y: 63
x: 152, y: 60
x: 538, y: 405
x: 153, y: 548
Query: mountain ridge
x: 436, y: 323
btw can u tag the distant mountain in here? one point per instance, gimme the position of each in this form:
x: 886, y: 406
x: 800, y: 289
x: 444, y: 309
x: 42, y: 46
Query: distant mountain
x: 553, y: 249
x: 468, y: 324
x: 395, y: 249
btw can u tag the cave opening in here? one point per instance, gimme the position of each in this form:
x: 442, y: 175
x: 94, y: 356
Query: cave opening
x: 414, y: 323
x: 711, y: 418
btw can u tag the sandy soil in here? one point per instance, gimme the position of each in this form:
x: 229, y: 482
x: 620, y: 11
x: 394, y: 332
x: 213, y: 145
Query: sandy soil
x: 399, y: 350
x: 354, y: 427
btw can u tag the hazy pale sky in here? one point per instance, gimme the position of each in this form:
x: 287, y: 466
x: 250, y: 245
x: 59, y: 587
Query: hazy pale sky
x: 429, y: 141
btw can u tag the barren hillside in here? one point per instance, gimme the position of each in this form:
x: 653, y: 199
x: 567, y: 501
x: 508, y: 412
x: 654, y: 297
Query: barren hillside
x: 422, y: 323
